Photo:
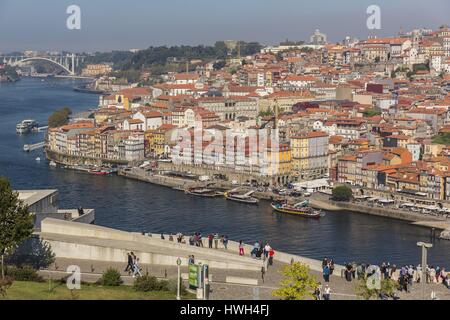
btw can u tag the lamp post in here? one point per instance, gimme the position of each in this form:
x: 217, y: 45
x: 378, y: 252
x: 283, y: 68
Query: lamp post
x: 423, y: 277
x: 179, y: 279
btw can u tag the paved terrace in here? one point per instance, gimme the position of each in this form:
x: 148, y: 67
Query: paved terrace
x: 95, y: 248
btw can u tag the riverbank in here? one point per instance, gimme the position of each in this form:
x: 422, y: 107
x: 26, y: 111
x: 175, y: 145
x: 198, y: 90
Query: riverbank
x: 322, y: 202
x: 317, y: 201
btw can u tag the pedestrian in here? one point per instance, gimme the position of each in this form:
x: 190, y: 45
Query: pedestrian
x: 162, y: 236
x: 210, y: 240
x: 241, y: 248
x: 326, y: 273
x: 136, y: 268
x: 200, y: 239
x: 266, y: 250
x: 171, y: 237
x: 324, y: 262
x: 129, y: 262
x: 216, y: 240
x: 327, y: 293
x: 271, y: 254
x: 225, y: 242
x: 318, y: 292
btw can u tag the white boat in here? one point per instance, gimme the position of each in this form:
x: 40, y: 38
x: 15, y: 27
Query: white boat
x: 52, y: 163
x: 244, y: 198
x: 26, y: 126
x: 38, y: 159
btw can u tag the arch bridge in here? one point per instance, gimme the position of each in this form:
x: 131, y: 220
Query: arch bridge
x: 66, y: 62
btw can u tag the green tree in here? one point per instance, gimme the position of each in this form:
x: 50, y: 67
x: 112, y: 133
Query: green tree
x: 371, y: 112
x: 32, y: 252
x: 442, y: 138
x: 16, y: 222
x: 59, y: 118
x: 388, y: 288
x: 298, y: 284
x: 342, y: 193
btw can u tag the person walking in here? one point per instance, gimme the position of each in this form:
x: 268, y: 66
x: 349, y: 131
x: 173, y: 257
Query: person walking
x: 129, y: 263
x: 241, y: 248
x: 225, y: 242
x: 210, y: 240
x: 318, y: 292
x: 271, y: 255
x: 327, y: 293
x: 266, y: 250
x: 326, y: 273
x: 136, y: 268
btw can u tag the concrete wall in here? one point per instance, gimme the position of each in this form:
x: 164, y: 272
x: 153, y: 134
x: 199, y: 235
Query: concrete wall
x: 72, y: 250
x: 89, y: 242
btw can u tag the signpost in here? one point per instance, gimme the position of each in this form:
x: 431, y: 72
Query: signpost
x: 179, y: 279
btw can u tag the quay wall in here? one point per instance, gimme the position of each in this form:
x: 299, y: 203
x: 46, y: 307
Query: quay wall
x: 165, y: 181
x: 373, y: 210
x: 70, y: 160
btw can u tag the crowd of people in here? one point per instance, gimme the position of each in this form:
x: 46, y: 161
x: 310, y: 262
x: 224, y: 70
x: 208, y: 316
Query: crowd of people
x: 405, y: 276
x: 216, y: 241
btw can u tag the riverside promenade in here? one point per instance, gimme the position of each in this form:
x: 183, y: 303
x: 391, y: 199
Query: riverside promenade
x: 95, y: 248
x: 233, y: 277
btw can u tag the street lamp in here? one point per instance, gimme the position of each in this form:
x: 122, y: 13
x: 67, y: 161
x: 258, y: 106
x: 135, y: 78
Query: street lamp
x: 423, y: 280
x: 179, y: 279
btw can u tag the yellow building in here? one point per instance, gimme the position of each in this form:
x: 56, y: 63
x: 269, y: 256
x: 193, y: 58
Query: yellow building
x: 280, y: 163
x: 310, y: 155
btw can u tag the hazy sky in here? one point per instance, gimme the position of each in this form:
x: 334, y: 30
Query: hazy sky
x: 114, y: 24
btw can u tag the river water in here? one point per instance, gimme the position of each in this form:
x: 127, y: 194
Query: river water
x: 136, y: 206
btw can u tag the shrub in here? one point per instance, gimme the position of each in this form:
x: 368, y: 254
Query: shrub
x: 342, y: 193
x: 149, y: 283
x: 171, y: 286
x: 23, y: 273
x: 110, y: 278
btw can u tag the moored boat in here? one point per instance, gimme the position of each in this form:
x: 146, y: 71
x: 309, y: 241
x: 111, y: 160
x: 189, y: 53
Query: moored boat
x: 302, y: 211
x: 202, y: 192
x: 244, y: 198
x: 99, y: 172
x: 26, y: 126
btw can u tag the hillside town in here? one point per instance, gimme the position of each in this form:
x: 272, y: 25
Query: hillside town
x: 370, y: 113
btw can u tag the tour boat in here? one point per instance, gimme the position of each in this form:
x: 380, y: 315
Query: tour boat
x: 244, y: 198
x: 98, y: 172
x: 302, y: 211
x: 202, y: 192
x: 26, y: 126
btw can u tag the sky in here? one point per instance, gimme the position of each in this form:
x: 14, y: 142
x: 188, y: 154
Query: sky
x: 121, y: 25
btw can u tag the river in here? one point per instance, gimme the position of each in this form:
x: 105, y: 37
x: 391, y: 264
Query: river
x: 137, y: 206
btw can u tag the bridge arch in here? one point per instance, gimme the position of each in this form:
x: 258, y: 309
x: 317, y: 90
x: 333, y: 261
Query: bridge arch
x: 44, y: 59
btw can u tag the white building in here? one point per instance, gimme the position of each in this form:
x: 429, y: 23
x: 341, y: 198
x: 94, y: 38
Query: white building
x: 134, y: 147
